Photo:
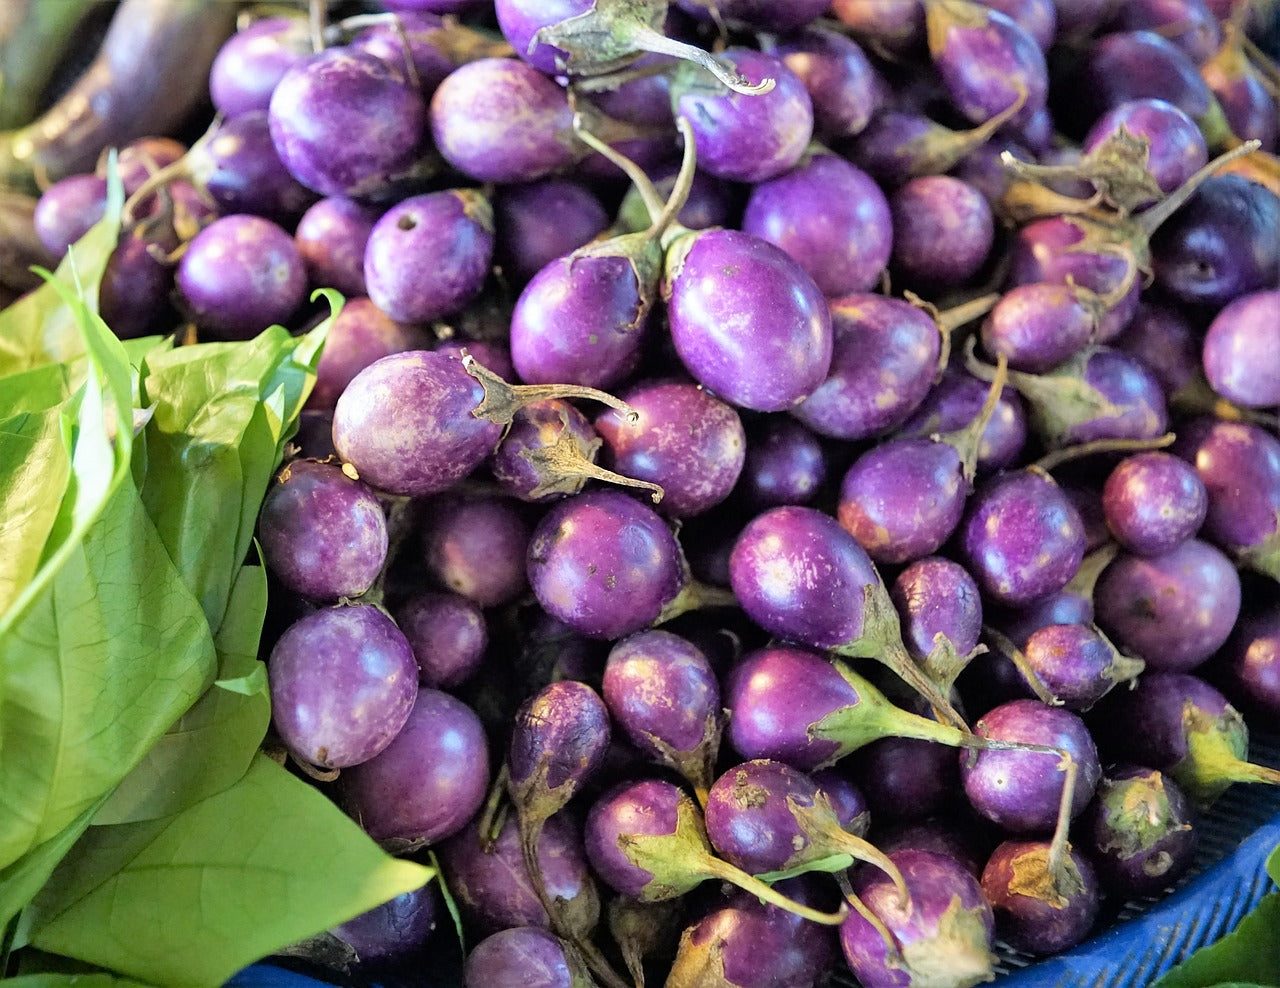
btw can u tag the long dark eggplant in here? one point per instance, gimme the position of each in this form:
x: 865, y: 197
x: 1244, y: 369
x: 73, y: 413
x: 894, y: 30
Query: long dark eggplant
x: 20, y: 248
x: 34, y: 39
x: 151, y: 72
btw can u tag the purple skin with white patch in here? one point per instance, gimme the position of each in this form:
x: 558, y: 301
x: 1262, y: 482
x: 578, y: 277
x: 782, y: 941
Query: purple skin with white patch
x: 1138, y: 831
x: 416, y: 30
x: 67, y: 209
x: 429, y: 781
x: 323, y: 534
x: 1038, y: 326
x: 843, y: 86
x: 1052, y: 250
x: 884, y: 361
x: 955, y: 401
x: 399, y: 926
x: 1189, y: 24
x: 1221, y: 245
x: 540, y: 221
x: 360, y: 335
x: 345, y: 122
x: 646, y: 807
x: 521, y: 957
x: 687, y: 441
x: 559, y: 737
x: 903, y: 498
x: 604, y: 564
x: 405, y: 423
x: 751, y: 944
x: 935, y: 596
x: 520, y: 20
x: 1240, y: 350
x: 1174, y: 610
x: 1153, y: 502
x: 331, y: 237
x: 829, y: 216
x: 1175, y: 146
x: 945, y: 926
x: 1248, y: 668
x: 1165, y: 340
x: 1039, y: 18
x: 429, y: 255
x: 476, y: 546
x: 343, y: 682
x: 583, y: 319
x: 1021, y: 790
x: 240, y: 275
x: 1076, y: 664
x: 1135, y: 404
x: 663, y: 694
x: 246, y: 174
x: 747, y: 321
x: 745, y: 138
x: 501, y: 120
x: 448, y: 636
x: 1022, y: 538
x: 784, y: 464
x: 492, y: 356
x: 1034, y: 913
x: 984, y: 62
x: 491, y: 883
x: 1240, y: 465
x: 943, y: 230
x: 253, y: 61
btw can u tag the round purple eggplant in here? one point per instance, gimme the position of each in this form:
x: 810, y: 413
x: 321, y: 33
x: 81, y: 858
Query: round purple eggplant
x: 843, y: 86
x: 1166, y: 341
x: 1153, y: 502
x: 323, y: 534
x: 331, y: 238
x: 430, y: 254
x: 883, y: 364
x: 1037, y: 910
x: 604, y: 564
x: 1248, y: 667
x: 67, y: 209
x: 242, y: 172
x: 940, y: 935
x: 943, y: 230
x: 1040, y: 325
x: 343, y: 682
x: 1174, y: 610
x: 935, y: 596
x: 747, y: 321
x: 1240, y: 350
x: 1239, y: 464
x: 1221, y: 245
x: 501, y: 120
x: 251, y: 63
x: 490, y: 883
x: 540, y: 221
x: 1250, y: 107
x: 663, y: 694
x: 829, y: 216
x: 1139, y: 831
x: 963, y: 837
x: 679, y: 437
x: 955, y: 402
x: 1022, y: 791
x: 134, y: 297
x: 523, y: 957
x: 476, y: 546
x: 448, y: 636
x: 906, y: 778
x: 345, y: 122
x: 1175, y: 148
x: 646, y: 839
x: 784, y: 463
x: 240, y: 275
x: 429, y: 781
x: 1189, y: 24
x: 411, y: 45
x: 1179, y: 724
x: 1022, y: 538
x: 745, y: 137
x: 398, y: 927
x: 1077, y: 664
x: 361, y: 334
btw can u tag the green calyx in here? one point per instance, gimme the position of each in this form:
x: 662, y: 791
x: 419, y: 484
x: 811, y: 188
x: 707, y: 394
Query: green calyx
x: 1137, y: 814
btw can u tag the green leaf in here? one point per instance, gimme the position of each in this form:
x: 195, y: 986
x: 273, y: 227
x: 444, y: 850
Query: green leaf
x: 40, y: 328
x: 213, y: 743
x: 1246, y: 955
x: 193, y: 898
x: 223, y: 414
x: 73, y: 981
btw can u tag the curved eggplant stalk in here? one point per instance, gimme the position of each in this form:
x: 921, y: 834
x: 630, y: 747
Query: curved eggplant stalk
x: 150, y: 73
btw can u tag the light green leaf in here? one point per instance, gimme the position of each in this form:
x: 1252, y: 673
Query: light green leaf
x: 40, y: 328
x: 1248, y: 954
x: 193, y: 898
x: 73, y: 981
x: 213, y: 743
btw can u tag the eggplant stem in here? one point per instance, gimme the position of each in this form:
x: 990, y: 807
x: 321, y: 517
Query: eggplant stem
x: 1051, y: 461
x: 1058, y: 847
x: 1019, y: 660
x: 863, y: 910
x: 647, y: 39
x: 1150, y: 220
x: 715, y: 868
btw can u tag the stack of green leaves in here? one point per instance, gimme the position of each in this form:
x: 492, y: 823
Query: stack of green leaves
x: 142, y: 833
